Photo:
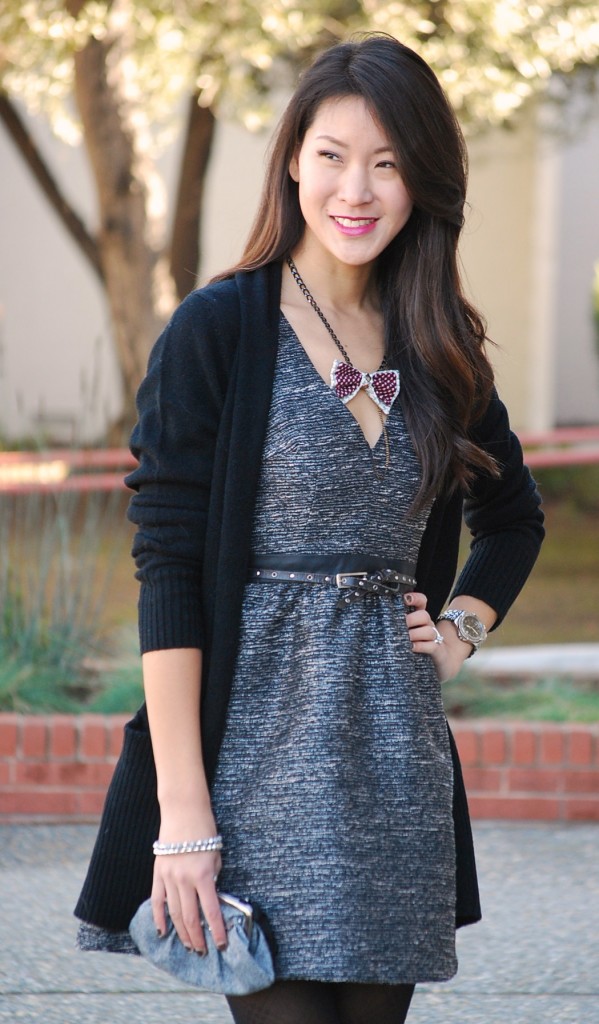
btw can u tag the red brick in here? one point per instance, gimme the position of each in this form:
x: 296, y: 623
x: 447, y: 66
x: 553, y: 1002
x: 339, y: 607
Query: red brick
x: 514, y: 808
x: 63, y: 736
x: 93, y: 736
x: 494, y: 747
x: 90, y: 775
x: 552, y: 746
x: 580, y: 781
x: 65, y: 775
x: 483, y: 778
x: 32, y: 802
x: 115, y: 736
x: 467, y: 744
x: 9, y: 733
x: 535, y: 780
x: 524, y: 746
x: 5, y: 773
x: 581, y: 809
x: 91, y: 802
x: 33, y: 737
x: 580, y: 747
x: 34, y: 774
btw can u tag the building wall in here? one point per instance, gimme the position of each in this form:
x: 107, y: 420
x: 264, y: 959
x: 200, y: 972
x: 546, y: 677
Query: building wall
x: 57, y: 367
x: 497, y: 252
x: 576, y: 393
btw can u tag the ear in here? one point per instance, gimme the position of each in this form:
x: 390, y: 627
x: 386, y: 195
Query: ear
x: 294, y: 166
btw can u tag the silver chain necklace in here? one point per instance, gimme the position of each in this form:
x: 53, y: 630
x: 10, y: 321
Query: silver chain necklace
x: 303, y: 287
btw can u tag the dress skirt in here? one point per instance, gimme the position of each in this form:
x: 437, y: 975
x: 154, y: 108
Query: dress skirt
x: 333, y: 789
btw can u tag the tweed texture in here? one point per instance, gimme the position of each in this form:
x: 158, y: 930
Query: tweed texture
x: 333, y: 788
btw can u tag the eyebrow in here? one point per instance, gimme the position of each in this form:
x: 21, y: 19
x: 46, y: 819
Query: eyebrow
x: 344, y: 145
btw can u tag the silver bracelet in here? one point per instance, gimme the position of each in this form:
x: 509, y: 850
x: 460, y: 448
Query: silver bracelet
x: 189, y: 846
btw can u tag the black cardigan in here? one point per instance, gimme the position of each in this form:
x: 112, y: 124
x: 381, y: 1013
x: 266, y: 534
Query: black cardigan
x: 203, y: 412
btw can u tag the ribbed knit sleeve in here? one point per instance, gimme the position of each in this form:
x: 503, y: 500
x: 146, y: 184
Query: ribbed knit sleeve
x: 179, y: 408
x: 504, y: 517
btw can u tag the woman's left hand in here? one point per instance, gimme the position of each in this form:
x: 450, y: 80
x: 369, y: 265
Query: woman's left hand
x: 445, y: 648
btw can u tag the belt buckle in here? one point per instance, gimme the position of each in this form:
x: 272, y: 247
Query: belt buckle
x: 343, y: 575
x: 393, y: 585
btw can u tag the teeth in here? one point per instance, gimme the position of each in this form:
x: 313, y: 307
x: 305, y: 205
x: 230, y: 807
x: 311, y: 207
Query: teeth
x: 352, y: 222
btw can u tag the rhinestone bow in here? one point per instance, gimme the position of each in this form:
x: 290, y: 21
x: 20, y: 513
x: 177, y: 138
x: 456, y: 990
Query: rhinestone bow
x: 382, y: 385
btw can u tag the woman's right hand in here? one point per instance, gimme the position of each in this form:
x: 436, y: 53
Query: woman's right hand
x: 187, y: 881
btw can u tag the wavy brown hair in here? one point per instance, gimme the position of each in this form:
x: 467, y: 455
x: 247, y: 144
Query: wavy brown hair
x: 432, y: 333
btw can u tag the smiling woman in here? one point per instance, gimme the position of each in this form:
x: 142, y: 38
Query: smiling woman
x: 310, y: 427
x: 351, y: 194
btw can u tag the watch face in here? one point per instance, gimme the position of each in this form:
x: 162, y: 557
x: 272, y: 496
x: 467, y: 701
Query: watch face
x: 472, y: 628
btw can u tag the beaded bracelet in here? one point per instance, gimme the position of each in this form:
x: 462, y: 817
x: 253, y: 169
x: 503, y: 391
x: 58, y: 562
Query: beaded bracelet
x: 189, y: 846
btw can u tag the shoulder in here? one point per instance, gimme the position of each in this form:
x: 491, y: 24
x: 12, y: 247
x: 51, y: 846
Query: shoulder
x: 222, y: 304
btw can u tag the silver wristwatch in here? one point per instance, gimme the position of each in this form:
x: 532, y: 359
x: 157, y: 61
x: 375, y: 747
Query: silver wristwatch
x: 470, y: 629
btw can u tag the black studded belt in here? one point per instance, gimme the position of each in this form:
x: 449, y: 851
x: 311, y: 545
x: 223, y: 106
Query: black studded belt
x: 358, y: 574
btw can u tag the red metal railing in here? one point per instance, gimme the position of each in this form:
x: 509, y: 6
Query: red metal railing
x: 102, y: 469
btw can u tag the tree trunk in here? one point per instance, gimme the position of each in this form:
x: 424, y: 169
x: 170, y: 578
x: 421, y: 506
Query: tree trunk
x: 140, y: 292
x: 185, y: 243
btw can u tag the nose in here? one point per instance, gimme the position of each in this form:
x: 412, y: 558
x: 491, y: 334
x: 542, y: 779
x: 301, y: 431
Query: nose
x: 354, y: 186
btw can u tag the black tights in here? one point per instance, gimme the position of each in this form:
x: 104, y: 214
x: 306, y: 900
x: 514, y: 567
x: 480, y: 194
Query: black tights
x: 316, y: 1002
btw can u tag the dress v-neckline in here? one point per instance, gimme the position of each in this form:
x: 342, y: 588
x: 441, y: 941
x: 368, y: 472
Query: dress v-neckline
x: 344, y: 408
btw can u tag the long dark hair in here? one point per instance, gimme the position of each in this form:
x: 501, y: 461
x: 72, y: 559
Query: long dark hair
x: 432, y: 334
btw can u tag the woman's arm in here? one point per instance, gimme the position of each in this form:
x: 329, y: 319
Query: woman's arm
x: 450, y: 655
x: 172, y: 683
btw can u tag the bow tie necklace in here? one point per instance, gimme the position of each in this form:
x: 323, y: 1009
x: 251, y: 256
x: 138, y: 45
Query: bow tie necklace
x: 382, y: 386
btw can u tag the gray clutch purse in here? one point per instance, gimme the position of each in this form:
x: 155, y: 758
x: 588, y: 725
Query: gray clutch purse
x: 244, y: 966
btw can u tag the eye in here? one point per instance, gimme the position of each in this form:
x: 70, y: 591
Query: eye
x: 328, y: 154
x: 387, y: 165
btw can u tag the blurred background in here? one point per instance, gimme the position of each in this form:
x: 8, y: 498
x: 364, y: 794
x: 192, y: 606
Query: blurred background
x: 132, y: 142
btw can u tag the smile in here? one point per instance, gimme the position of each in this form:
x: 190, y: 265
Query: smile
x: 354, y: 222
x: 354, y: 226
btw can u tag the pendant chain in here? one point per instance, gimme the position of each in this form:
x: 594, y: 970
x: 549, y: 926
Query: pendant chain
x: 303, y: 287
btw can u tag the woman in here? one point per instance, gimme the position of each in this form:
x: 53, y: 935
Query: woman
x: 309, y: 428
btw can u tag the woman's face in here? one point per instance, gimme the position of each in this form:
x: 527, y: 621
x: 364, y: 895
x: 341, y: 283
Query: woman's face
x: 351, y: 195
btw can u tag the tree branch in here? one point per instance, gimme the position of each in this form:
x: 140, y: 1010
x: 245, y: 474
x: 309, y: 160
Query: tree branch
x: 185, y: 241
x: 22, y: 139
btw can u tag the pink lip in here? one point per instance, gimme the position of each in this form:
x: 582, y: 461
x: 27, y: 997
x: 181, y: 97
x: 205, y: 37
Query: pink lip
x: 359, y: 229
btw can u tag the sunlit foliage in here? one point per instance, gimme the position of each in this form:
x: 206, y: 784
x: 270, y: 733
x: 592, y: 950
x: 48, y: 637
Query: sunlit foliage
x: 491, y: 55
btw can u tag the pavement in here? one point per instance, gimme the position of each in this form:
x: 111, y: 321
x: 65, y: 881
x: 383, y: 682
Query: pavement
x: 533, y: 959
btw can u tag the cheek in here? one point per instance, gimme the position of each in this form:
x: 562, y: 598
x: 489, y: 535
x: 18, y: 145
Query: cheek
x: 404, y: 206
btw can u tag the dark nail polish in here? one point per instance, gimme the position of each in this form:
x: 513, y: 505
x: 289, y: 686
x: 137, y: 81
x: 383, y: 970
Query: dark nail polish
x: 189, y: 949
x: 221, y: 948
x: 201, y: 952
x: 159, y: 933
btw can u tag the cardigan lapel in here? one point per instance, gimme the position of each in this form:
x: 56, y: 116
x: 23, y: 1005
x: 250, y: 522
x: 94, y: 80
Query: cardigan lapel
x: 235, y: 486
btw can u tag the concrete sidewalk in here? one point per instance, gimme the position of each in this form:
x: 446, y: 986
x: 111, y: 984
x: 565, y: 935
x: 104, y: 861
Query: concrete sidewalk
x: 534, y: 959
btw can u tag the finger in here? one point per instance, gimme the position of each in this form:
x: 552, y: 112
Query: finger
x: 190, y: 916
x: 426, y: 634
x: 158, y: 899
x: 176, y: 915
x: 417, y: 617
x: 414, y: 601
x: 213, y: 916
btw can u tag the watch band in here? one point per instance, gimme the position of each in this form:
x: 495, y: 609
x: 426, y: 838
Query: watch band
x: 473, y: 633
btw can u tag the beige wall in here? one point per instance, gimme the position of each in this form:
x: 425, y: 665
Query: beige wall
x: 497, y: 252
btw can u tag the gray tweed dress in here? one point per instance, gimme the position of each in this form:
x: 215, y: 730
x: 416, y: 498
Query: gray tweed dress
x: 333, y: 789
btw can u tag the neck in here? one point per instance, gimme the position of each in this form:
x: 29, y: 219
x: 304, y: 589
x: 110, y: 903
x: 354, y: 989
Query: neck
x: 338, y: 286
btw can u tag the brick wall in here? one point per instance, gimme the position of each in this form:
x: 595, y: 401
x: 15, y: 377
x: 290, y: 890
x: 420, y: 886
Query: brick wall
x: 58, y: 767
x: 530, y: 771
